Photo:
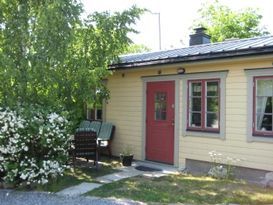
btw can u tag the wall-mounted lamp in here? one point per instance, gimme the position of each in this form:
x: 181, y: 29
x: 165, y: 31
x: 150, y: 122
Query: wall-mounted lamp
x: 180, y: 70
x: 159, y: 72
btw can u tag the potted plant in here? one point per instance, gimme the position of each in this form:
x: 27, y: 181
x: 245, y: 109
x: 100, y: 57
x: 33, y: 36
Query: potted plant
x: 126, y: 157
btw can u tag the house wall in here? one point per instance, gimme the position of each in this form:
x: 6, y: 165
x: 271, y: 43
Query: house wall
x: 125, y: 107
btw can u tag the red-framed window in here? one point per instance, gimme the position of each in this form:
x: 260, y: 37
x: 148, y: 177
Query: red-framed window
x: 203, y: 107
x: 263, y: 106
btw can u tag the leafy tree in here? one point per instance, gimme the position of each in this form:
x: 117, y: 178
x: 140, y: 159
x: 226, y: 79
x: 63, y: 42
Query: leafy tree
x: 100, y: 39
x: 136, y: 48
x: 50, y: 57
x: 35, y: 36
x: 223, y: 23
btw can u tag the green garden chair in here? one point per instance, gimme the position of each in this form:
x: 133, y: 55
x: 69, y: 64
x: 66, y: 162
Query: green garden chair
x: 85, y: 123
x: 85, y: 126
x: 96, y: 125
x: 105, y: 136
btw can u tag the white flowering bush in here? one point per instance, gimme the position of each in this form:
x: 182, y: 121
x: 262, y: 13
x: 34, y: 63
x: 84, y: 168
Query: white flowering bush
x: 33, y: 145
x: 222, y: 166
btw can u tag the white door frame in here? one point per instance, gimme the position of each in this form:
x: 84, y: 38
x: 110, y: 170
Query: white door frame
x: 177, y: 123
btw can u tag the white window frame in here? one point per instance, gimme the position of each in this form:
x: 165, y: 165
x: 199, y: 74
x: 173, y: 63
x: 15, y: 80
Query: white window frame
x: 251, y: 73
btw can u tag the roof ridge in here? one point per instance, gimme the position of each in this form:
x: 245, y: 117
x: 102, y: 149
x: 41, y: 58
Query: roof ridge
x: 195, y: 46
x: 230, y: 41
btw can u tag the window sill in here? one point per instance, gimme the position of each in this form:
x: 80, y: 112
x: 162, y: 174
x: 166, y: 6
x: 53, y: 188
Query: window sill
x: 203, y: 130
x: 265, y: 135
x: 203, y: 134
x: 260, y: 138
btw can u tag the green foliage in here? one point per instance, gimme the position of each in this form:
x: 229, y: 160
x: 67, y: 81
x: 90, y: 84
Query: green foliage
x: 49, y: 56
x: 136, y: 48
x: 223, y: 23
x: 127, y: 151
x: 35, y: 36
x: 98, y: 42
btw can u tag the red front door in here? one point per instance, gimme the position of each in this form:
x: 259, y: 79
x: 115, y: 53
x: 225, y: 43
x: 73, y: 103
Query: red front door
x: 160, y: 121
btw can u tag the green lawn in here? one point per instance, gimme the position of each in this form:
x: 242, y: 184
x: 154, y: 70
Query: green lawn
x: 185, y: 189
x: 83, y: 173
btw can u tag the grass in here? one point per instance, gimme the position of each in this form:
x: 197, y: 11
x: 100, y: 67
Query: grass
x: 186, y: 189
x: 84, y: 172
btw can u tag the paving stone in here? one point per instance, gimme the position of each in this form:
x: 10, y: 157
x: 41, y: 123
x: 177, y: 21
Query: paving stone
x: 165, y: 168
x: 126, y: 173
x: 268, y: 180
x: 79, y: 189
x: 154, y: 174
x: 269, y: 176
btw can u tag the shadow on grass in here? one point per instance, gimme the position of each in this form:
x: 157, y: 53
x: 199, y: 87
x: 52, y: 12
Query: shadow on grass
x: 186, y: 189
x: 83, y: 172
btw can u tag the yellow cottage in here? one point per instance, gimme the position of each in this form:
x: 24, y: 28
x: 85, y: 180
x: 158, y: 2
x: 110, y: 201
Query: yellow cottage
x: 177, y: 106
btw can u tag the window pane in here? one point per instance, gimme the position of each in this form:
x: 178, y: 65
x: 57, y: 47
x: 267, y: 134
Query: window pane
x: 264, y: 87
x: 212, y: 120
x: 212, y: 88
x: 268, y: 107
x: 212, y: 104
x: 195, y: 119
x: 264, y: 122
x: 160, y: 96
x: 196, y: 104
x: 264, y: 104
x: 196, y: 89
x: 160, y: 105
x: 159, y: 115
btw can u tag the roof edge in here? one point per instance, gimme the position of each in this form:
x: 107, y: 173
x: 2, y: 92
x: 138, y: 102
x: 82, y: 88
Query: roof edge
x: 192, y: 58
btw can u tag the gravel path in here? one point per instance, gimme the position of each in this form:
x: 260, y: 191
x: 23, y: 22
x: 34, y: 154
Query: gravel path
x: 9, y: 197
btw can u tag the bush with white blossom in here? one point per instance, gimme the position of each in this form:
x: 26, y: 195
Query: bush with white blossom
x: 222, y: 167
x: 33, y: 145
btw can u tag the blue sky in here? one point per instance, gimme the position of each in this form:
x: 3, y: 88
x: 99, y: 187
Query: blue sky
x: 176, y: 17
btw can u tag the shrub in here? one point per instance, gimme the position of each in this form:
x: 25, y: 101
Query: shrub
x: 33, y: 144
x: 222, y: 166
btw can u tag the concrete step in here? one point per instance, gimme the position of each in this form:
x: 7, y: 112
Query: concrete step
x: 78, y: 189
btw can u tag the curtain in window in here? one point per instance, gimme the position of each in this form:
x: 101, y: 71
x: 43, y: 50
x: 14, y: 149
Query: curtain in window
x: 264, y: 93
x: 260, y: 116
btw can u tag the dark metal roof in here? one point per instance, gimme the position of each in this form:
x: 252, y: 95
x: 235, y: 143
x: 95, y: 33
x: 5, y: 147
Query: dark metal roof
x: 225, y: 49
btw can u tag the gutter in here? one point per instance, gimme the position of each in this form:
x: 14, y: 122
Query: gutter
x: 192, y: 58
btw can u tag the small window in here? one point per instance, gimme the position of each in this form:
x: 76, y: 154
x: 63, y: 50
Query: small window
x: 203, y: 105
x: 160, y: 100
x: 262, y: 106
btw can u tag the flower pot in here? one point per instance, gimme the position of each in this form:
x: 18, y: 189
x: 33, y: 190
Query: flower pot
x: 126, y: 159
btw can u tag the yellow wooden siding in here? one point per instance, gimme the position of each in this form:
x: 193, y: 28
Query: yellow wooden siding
x: 252, y: 154
x: 125, y: 110
x: 125, y: 107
